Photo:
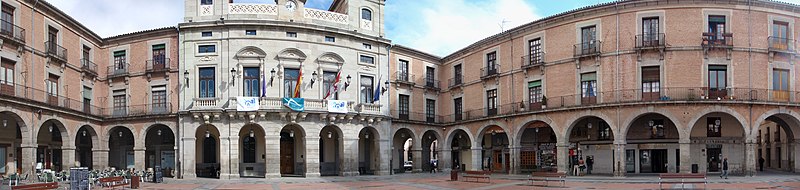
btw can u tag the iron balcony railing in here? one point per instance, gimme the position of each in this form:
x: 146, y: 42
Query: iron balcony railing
x: 404, y: 77
x: 432, y: 83
x: 56, y: 51
x: 13, y: 32
x: 587, y: 48
x: 533, y: 60
x: 490, y: 71
x: 644, y: 41
x: 118, y: 70
x: 416, y: 116
x: 140, y: 110
x: 455, y: 81
x: 720, y: 40
x: 89, y: 67
x: 781, y: 44
x: 158, y: 65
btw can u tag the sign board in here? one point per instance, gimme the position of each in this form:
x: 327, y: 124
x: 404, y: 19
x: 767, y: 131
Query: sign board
x: 246, y: 103
x: 337, y: 106
x: 296, y: 104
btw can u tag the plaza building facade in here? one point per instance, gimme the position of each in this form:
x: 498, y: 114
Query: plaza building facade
x: 71, y: 98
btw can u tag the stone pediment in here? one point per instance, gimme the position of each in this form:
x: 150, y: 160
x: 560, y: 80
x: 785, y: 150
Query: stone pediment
x: 251, y: 52
x: 292, y: 53
x: 331, y: 58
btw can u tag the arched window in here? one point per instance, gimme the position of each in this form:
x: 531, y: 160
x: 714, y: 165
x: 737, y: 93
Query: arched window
x: 366, y: 14
x: 210, y: 150
x: 249, y: 149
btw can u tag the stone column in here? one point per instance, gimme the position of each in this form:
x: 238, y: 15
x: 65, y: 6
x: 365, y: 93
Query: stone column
x: 225, y: 157
x: 28, y: 159
x: 686, y: 157
x: 272, y: 143
x: 67, y: 157
x: 750, y: 158
x: 350, y: 157
x: 445, y: 160
x: 795, y: 155
x: 233, y: 146
x: 311, y: 156
x: 477, y: 159
x: 562, y: 156
x: 383, y: 157
x: 139, y: 159
x: 514, y: 153
x: 619, y: 162
x: 417, y: 158
x: 99, y: 158
x: 188, y: 156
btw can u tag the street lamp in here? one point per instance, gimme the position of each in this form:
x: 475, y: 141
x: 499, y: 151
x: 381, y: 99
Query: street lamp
x: 252, y: 134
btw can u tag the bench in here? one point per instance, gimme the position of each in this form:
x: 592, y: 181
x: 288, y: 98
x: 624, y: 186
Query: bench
x: 547, y: 177
x: 112, y: 182
x: 477, y: 175
x: 682, y: 179
x: 51, y: 185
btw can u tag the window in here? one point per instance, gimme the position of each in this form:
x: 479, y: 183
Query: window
x: 206, y: 48
x: 430, y: 110
x: 366, y: 14
x: 330, y: 39
x: 604, y: 131
x: 714, y: 127
x: 7, y: 17
x: 780, y: 84
x: 430, y: 77
x: 403, y: 107
x: 7, y: 76
x: 290, y: 80
x: 251, y: 81
x: 650, y: 31
x: 588, y: 40
x: 291, y: 34
x: 588, y: 85
x: 119, y: 60
x: 207, y: 82
x: 328, y: 78
x: 651, y: 83
x: 457, y: 109
x: 367, y: 46
x: 535, y: 93
x: 367, y: 89
x: 159, y: 56
x: 657, y: 129
x: 403, y: 75
x: 206, y: 2
x: 87, y: 99
x: 535, y: 51
x: 491, y: 102
x: 86, y: 53
x: 206, y: 34
x: 249, y: 149
x: 457, y: 73
x: 120, y: 101
x: 159, y: 94
x: 250, y: 32
x: 367, y: 59
x: 717, y: 81
x: 780, y: 35
x: 716, y: 26
x: 52, y: 85
x: 52, y: 38
x: 491, y: 63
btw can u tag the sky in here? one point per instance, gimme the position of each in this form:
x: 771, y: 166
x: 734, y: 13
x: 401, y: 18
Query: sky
x: 439, y: 27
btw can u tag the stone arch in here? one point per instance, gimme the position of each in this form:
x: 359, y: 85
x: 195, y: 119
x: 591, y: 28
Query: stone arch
x: 531, y: 120
x: 587, y: 114
x: 25, y: 130
x: 143, y: 134
x: 63, y: 131
x: 790, y: 115
x: 251, y: 52
x: 292, y: 53
x: 84, y: 154
x: 719, y: 109
x: 331, y: 57
x: 488, y: 125
x: 104, y: 137
x: 331, y: 165
x: 627, y: 122
x: 452, y: 132
x: 90, y: 131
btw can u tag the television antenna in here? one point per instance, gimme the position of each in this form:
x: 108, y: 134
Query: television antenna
x: 503, y: 24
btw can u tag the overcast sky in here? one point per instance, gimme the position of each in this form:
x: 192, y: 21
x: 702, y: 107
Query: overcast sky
x: 439, y: 27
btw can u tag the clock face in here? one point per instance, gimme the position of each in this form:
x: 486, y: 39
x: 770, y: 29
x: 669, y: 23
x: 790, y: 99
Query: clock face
x: 290, y: 5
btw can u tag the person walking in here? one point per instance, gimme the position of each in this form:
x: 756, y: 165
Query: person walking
x: 432, y: 167
x: 761, y: 163
x: 589, y: 164
x: 724, y: 168
x: 581, y: 165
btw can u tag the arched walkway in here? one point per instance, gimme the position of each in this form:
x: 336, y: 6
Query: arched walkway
x: 368, y: 151
x: 652, y: 145
x: 461, y: 150
x: 331, y: 151
x: 590, y: 136
x: 252, y: 150
x: 160, y: 149
x: 120, y: 143
x: 85, y: 140
x: 495, y: 155
x: 404, y: 151
x: 50, y: 144
x: 207, y: 153
x: 537, y: 148
x: 293, y: 149
x: 15, y: 133
x: 716, y: 136
x: 776, y: 139
x: 430, y: 150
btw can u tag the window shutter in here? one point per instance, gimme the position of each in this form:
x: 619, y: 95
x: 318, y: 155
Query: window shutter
x: 650, y: 74
x: 87, y: 93
x: 534, y: 84
x: 159, y: 47
x: 119, y: 53
x: 589, y: 77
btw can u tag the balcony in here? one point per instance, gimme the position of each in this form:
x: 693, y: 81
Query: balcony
x: 118, y: 70
x: 205, y: 103
x: 455, y: 82
x: 252, y: 8
x: 650, y: 41
x: 158, y: 65
x: 587, y: 49
x: 490, y: 71
x: 401, y: 77
x: 533, y: 60
x: 326, y: 16
x: 432, y: 84
x: 781, y: 45
x: 276, y: 104
x: 715, y: 40
x: 416, y: 117
x: 88, y: 67
x: 12, y: 33
x: 55, y: 51
x: 368, y: 108
x: 143, y: 109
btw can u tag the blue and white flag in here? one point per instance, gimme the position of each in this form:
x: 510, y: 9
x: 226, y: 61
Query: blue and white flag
x: 247, y: 104
x: 296, y: 104
x: 337, y: 106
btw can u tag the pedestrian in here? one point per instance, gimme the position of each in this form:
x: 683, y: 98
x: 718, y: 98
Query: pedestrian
x: 589, y: 164
x: 761, y: 163
x: 581, y: 165
x: 724, y: 168
x: 431, y: 164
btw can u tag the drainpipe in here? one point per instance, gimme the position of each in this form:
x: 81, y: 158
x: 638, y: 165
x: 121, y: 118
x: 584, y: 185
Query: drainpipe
x: 749, y: 72
x: 618, y: 171
x: 33, y: 52
x: 180, y: 121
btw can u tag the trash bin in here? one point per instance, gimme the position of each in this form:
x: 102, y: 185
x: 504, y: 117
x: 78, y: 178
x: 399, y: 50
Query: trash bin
x: 454, y: 175
x: 135, y: 182
x: 695, y: 168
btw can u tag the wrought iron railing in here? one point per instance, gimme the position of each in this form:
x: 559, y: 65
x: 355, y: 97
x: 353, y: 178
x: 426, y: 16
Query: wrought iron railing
x: 717, y: 39
x: 11, y: 31
x: 490, y: 71
x: 118, y: 70
x: 532, y: 60
x: 587, y: 48
x: 781, y: 44
x: 158, y: 65
x: 89, y: 67
x: 455, y: 81
x: 54, y: 50
x: 650, y: 40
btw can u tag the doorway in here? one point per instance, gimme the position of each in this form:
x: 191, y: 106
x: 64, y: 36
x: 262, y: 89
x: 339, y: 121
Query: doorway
x: 713, y: 159
x: 287, y: 155
x: 659, y: 164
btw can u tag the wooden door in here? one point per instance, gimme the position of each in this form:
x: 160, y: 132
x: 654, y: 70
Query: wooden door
x: 287, y: 157
x: 497, y: 160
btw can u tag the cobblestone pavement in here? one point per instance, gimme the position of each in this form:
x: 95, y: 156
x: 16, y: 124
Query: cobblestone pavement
x: 442, y: 181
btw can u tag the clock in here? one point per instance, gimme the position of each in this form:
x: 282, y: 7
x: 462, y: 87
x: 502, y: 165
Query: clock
x: 290, y: 5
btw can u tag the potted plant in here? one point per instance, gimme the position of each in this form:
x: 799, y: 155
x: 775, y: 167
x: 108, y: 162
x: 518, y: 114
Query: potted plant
x: 544, y: 102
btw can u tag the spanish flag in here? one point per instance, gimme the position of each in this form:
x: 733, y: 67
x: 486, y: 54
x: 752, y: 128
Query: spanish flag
x: 299, y: 81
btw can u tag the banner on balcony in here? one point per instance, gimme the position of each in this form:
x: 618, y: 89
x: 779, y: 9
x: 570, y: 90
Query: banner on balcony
x: 296, y: 104
x: 246, y: 103
x: 337, y: 106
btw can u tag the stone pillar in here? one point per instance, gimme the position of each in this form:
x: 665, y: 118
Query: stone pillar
x: 350, y: 157
x: 750, y: 158
x: 445, y: 160
x: 226, y: 155
x: 686, y: 157
x: 562, y: 156
x: 794, y: 157
x: 272, y: 143
x: 139, y: 159
x: 417, y: 158
x: 99, y: 158
x: 67, y: 157
x: 233, y: 145
x: 619, y: 162
x: 477, y: 159
x: 28, y: 159
x: 311, y: 156
x: 514, y: 153
x: 188, y: 156
x: 383, y: 157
